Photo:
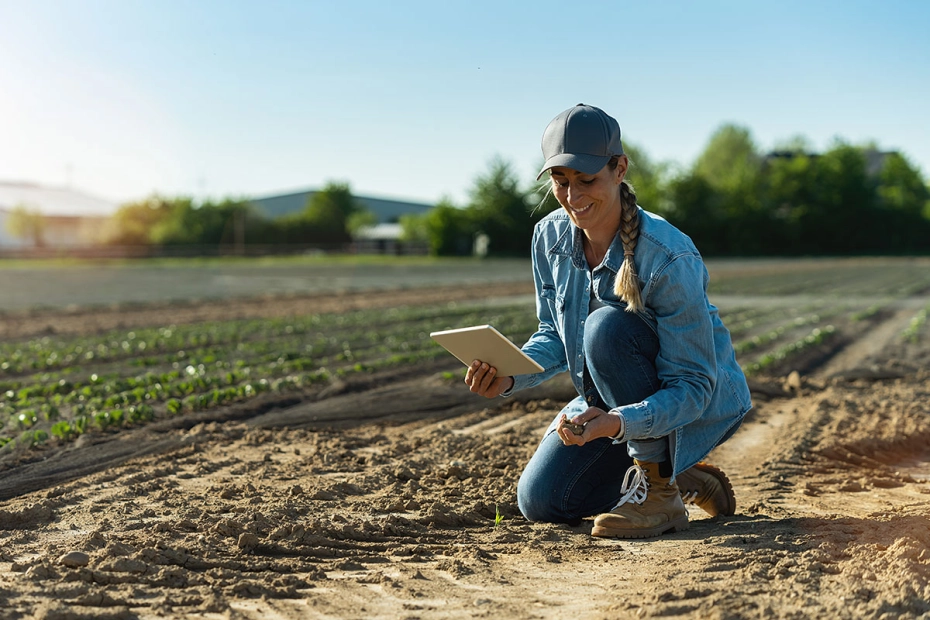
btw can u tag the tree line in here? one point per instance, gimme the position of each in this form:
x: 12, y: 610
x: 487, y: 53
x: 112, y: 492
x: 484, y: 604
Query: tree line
x: 330, y: 218
x: 734, y: 200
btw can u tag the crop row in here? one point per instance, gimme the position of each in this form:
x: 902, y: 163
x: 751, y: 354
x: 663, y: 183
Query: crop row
x: 148, y: 344
x: 58, y: 388
x: 774, y: 335
x: 99, y: 392
x: 771, y: 318
x: 816, y: 337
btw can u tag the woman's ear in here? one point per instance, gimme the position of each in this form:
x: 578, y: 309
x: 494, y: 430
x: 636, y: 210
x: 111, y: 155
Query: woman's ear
x: 623, y: 164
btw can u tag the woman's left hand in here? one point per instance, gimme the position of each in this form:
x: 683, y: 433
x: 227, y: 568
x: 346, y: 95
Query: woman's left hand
x: 597, y: 423
x: 481, y: 378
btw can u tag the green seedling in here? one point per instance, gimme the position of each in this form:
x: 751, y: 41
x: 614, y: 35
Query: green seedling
x: 62, y: 430
x: 79, y: 424
x: 26, y: 419
x: 912, y: 333
x: 498, y: 517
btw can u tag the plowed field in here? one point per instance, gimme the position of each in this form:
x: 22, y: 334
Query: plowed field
x: 388, y: 490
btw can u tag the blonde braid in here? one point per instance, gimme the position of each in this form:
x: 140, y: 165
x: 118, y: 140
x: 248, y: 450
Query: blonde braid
x: 626, y: 286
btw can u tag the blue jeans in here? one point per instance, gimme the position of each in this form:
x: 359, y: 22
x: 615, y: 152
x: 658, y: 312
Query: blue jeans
x: 563, y: 484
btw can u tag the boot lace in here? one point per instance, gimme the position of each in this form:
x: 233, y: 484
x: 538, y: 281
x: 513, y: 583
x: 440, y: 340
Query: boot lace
x: 688, y: 497
x: 635, y: 486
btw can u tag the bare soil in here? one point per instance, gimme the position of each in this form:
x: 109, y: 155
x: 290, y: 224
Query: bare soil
x: 377, y: 498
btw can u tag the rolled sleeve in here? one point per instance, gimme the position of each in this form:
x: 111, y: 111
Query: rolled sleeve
x: 686, y: 363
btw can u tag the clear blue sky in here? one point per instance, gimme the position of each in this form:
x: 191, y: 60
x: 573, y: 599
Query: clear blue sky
x: 412, y: 99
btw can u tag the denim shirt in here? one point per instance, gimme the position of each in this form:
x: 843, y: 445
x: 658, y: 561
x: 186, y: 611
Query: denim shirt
x: 703, y: 395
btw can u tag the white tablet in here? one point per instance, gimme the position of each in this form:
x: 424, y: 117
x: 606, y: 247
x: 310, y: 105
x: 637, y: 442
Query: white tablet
x: 485, y: 343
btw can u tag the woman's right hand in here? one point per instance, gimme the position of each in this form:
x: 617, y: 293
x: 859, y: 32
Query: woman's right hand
x: 596, y: 422
x: 481, y: 378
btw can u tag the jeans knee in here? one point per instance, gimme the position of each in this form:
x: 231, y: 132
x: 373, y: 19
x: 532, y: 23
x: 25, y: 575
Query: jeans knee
x: 614, y: 337
x: 602, y: 325
x: 538, y: 502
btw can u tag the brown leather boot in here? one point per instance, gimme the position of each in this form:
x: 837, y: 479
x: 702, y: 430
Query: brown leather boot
x: 651, y: 505
x: 709, y: 488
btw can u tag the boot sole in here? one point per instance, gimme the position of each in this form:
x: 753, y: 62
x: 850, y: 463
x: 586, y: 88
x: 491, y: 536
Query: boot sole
x: 678, y: 525
x: 721, y: 477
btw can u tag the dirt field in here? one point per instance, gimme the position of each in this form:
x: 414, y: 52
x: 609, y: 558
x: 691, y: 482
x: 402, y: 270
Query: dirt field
x: 376, y: 498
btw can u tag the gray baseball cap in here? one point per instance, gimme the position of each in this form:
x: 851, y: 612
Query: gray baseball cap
x: 582, y: 138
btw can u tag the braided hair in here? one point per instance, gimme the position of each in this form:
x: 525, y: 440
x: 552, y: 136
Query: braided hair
x: 626, y: 286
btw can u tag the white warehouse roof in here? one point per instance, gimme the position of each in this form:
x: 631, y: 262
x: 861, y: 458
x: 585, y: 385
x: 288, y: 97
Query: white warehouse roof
x: 59, y: 201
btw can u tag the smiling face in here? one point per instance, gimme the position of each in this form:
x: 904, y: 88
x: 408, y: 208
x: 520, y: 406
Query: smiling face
x: 592, y: 201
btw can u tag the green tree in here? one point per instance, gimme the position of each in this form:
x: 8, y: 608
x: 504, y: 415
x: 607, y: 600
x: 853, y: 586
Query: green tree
x: 827, y: 204
x: 904, y: 200
x: 325, y: 219
x: 844, y: 210
x: 901, y: 187
x: 413, y: 228
x: 230, y: 221
x: 359, y: 220
x: 449, y: 230
x: 694, y: 209
x: 500, y: 209
x: 182, y: 224
x: 649, y: 179
x: 136, y: 223
x: 328, y: 212
x: 797, y: 145
x: 28, y: 224
x: 729, y: 200
x: 730, y: 160
x: 159, y: 220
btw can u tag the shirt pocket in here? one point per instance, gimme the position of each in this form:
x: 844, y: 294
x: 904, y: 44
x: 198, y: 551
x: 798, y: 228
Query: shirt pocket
x: 554, y: 300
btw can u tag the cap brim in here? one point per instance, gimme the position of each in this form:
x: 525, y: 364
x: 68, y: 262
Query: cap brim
x: 586, y: 164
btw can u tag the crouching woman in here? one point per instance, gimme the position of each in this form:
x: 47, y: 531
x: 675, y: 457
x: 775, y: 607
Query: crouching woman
x: 621, y: 297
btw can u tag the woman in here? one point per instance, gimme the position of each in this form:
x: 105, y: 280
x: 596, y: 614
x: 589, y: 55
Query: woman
x: 622, y: 305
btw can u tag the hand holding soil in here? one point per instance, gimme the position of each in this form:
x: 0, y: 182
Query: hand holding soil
x: 594, y: 421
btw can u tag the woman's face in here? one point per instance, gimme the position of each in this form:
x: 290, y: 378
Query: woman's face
x: 591, y: 201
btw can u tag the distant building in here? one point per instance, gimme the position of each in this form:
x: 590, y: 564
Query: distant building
x: 382, y: 238
x: 385, y: 239
x: 387, y: 211
x: 71, y: 218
